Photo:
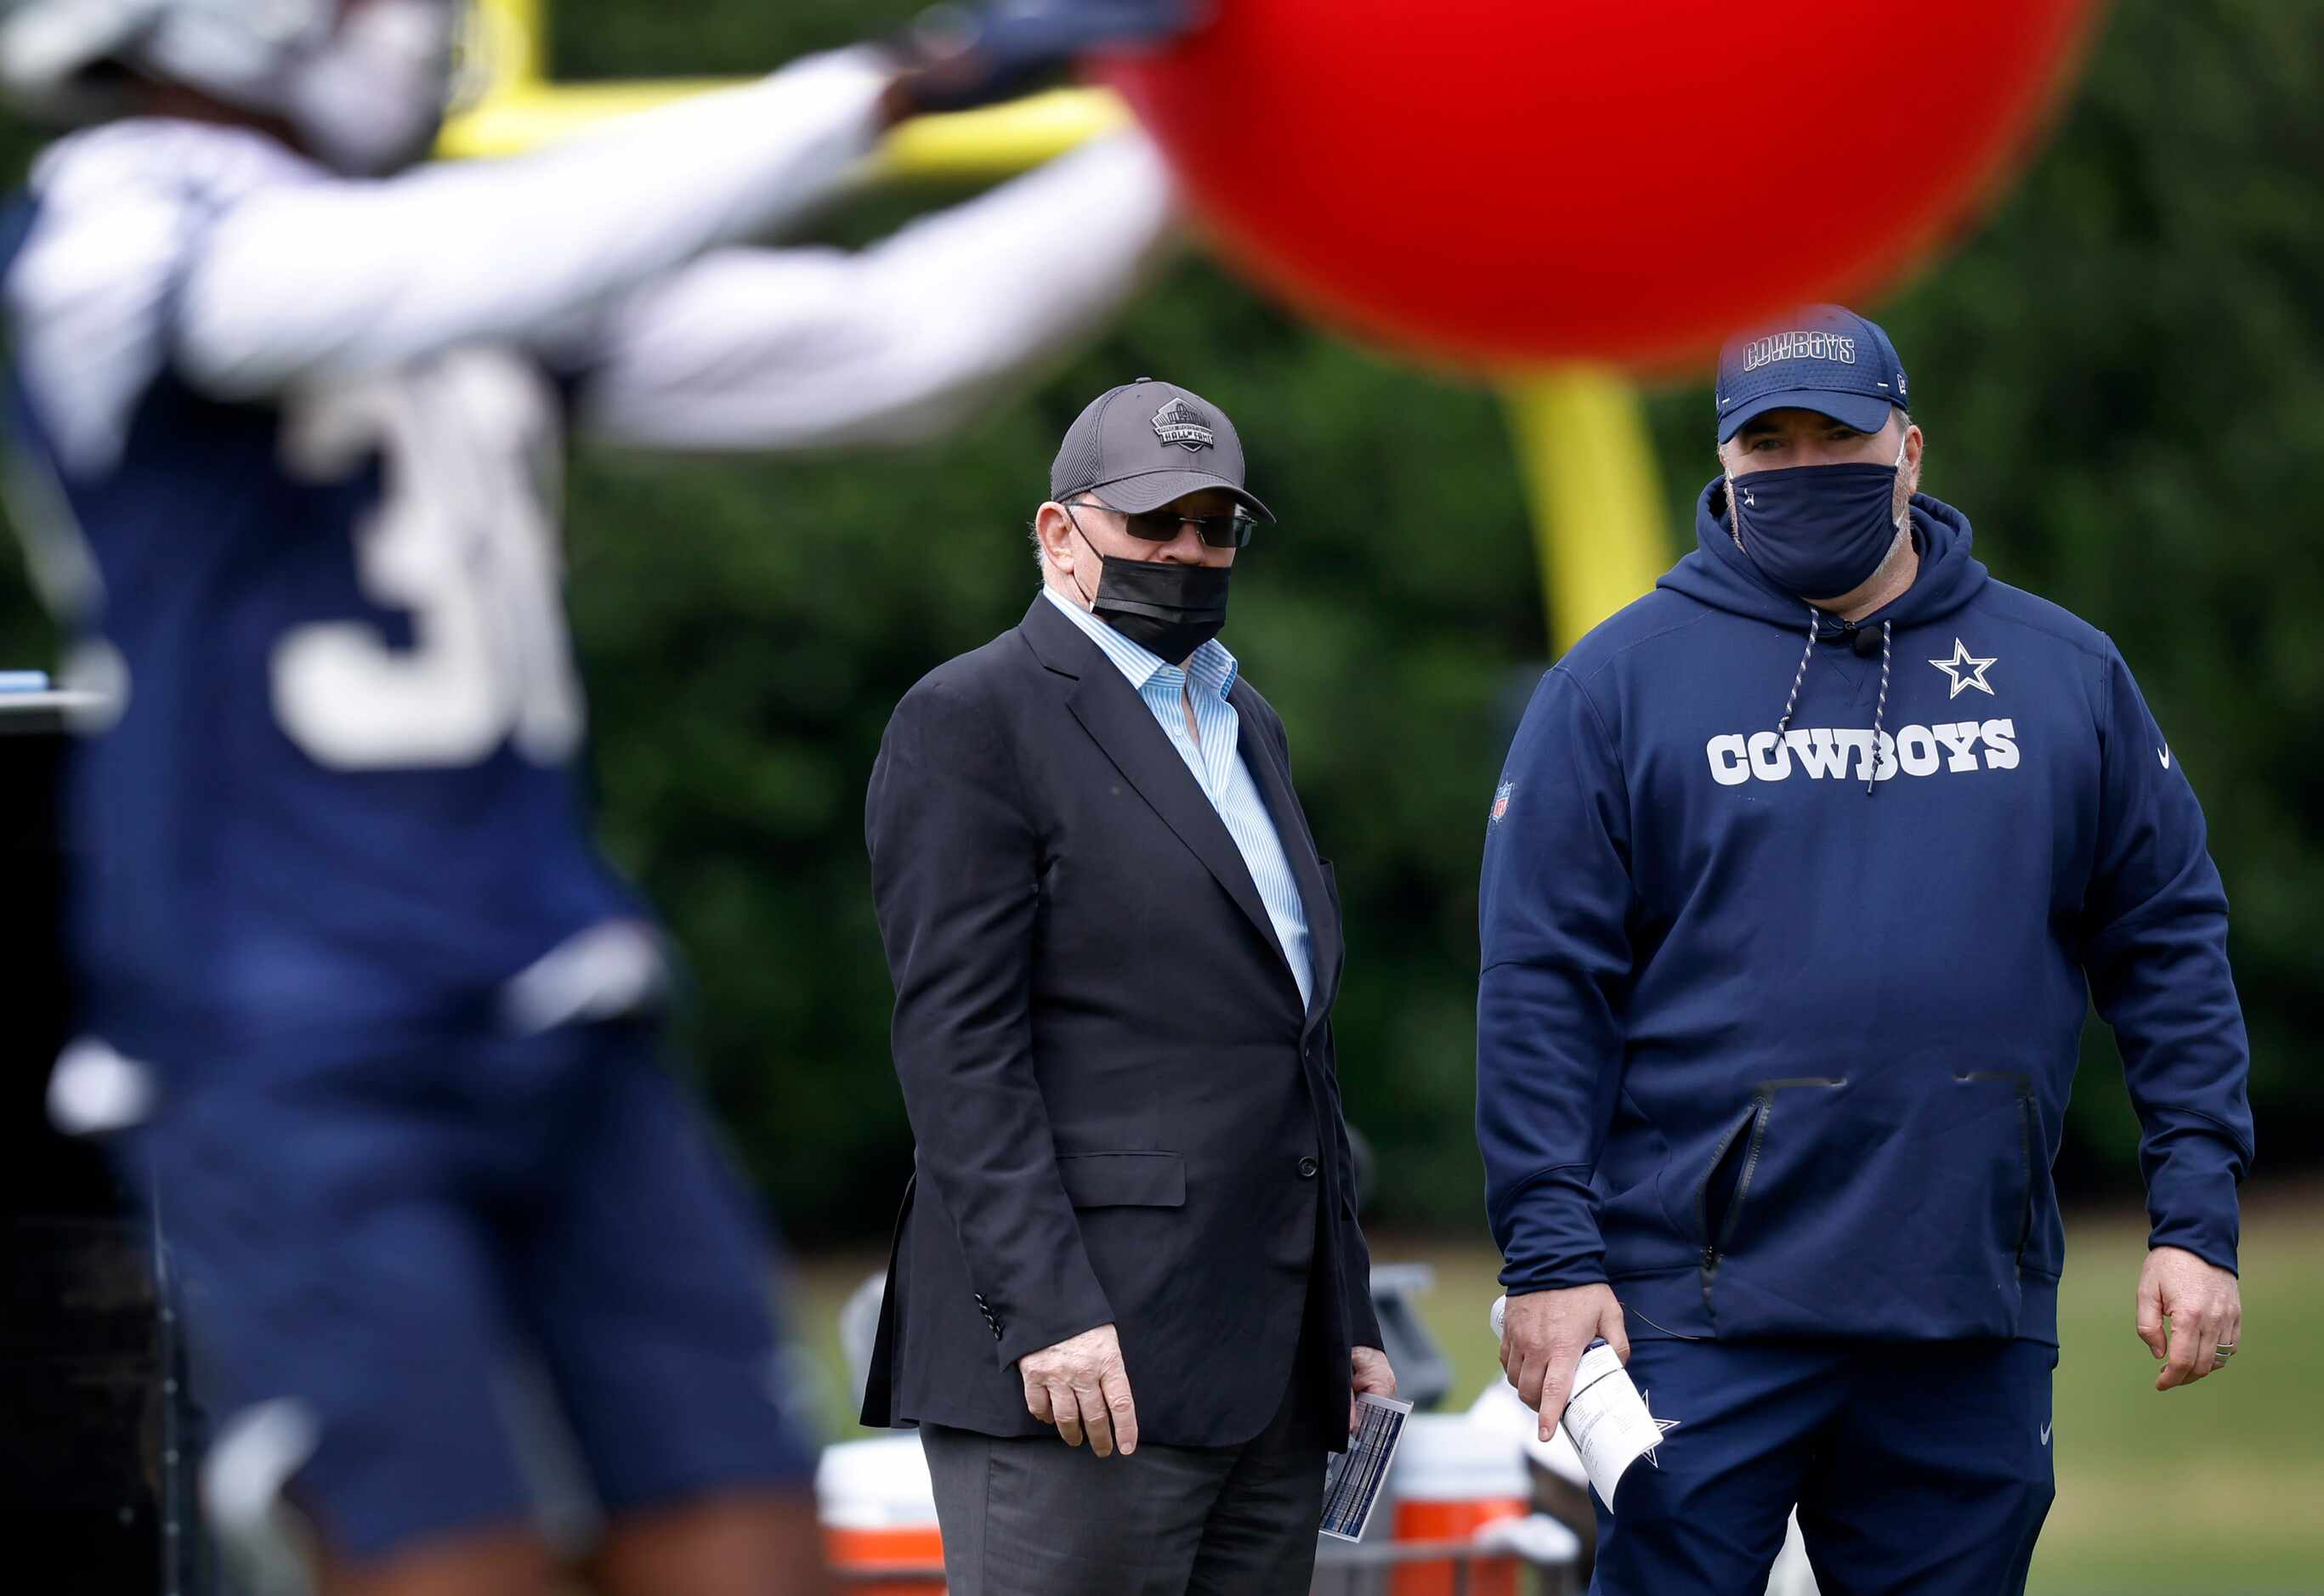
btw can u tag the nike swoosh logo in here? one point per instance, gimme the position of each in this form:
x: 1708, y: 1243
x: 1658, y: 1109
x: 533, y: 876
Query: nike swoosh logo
x: 2045, y: 1435
x: 2163, y: 754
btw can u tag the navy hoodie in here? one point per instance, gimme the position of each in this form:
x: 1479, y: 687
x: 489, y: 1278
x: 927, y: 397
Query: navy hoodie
x: 1777, y: 1056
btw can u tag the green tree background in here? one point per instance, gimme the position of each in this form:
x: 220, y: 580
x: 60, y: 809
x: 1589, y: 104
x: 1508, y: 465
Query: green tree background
x: 2121, y: 372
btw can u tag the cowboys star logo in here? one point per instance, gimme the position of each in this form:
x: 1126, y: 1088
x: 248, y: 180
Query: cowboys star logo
x: 1663, y: 1426
x: 1965, y: 669
x: 1181, y: 423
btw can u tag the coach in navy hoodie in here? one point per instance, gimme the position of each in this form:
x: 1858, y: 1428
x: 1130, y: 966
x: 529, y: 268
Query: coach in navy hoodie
x: 1796, y: 879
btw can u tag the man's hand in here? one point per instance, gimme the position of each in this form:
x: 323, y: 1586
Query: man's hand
x: 1368, y: 1372
x: 1079, y: 1384
x: 2204, y: 1305
x: 1544, y: 1336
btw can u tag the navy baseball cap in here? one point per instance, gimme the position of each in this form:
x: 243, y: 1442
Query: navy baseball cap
x: 1821, y: 357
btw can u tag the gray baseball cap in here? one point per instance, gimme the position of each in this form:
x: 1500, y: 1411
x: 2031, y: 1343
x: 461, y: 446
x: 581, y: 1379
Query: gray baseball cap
x: 1141, y: 445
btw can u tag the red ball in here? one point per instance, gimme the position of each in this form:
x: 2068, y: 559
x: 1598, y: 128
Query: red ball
x: 1509, y: 182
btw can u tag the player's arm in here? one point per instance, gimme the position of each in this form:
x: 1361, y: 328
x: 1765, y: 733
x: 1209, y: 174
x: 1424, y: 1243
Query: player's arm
x: 328, y: 280
x: 302, y: 281
x: 798, y: 349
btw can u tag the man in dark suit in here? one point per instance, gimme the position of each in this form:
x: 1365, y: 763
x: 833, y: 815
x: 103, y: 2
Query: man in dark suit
x: 1115, y: 953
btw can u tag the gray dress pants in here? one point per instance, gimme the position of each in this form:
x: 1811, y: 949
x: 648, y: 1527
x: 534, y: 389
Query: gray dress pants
x: 1030, y: 1516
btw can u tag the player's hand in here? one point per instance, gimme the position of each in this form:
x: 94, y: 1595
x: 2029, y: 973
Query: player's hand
x: 1368, y: 1370
x: 1544, y: 1336
x: 1080, y: 1386
x: 2203, y: 1306
x: 957, y: 57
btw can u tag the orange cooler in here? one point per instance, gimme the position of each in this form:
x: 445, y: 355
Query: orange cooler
x: 879, y: 1513
x: 1452, y: 1478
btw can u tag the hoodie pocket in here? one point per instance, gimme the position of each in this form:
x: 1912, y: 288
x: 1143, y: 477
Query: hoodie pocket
x: 1716, y: 1191
x: 1899, y: 1205
x: 1719, y: 1199
x: 2021, y: 1090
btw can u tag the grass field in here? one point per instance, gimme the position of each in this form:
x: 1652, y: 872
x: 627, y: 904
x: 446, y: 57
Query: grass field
x: 2214, y: 1489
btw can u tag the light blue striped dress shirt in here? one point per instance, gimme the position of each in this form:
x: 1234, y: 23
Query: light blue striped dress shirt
x: 1217, y: 765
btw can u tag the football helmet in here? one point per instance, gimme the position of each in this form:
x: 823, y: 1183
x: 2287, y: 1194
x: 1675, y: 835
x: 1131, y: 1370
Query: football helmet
x: 365, y: 83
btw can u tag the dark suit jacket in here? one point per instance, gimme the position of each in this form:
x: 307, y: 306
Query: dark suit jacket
x: 1123, y: 1113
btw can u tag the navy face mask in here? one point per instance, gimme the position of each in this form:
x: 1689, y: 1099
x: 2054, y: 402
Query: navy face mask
x: 1816, y: 531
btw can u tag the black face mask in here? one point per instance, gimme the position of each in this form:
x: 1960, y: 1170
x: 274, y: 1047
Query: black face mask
x: 1170, y: 609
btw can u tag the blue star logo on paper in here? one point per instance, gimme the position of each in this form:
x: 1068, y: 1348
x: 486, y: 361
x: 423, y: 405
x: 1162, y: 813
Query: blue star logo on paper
x: 1965, y: 669
x: 1662, y: 1426
x: 1501, y: 800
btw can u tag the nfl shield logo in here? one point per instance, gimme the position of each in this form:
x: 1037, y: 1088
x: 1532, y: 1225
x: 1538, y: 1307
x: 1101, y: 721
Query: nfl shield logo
x: 1501, y: 800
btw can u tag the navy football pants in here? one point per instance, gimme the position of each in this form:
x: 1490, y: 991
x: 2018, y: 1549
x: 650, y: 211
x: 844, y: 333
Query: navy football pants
x: 472, y: 1261
x: 1917, y: 1467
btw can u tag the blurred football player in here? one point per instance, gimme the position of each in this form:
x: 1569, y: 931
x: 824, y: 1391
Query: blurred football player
x: 294, y: 413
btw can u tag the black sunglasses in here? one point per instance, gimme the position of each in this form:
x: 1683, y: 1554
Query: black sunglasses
x: 1160, y: 526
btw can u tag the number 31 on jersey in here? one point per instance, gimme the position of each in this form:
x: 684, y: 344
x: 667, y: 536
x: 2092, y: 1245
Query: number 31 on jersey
x: 464, y: 538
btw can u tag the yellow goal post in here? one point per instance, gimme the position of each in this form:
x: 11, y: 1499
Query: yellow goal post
x: 1579, y: 432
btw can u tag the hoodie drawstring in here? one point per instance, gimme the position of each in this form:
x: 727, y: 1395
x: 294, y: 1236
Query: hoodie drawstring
x: 1879, y: 708
x: 1798, y: 677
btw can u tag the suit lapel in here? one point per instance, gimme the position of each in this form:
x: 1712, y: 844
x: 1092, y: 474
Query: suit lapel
x: 1117, y: 720
x: 1258, y: 757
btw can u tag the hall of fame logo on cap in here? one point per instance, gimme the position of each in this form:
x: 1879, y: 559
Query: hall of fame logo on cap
x: 1181, y: 423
